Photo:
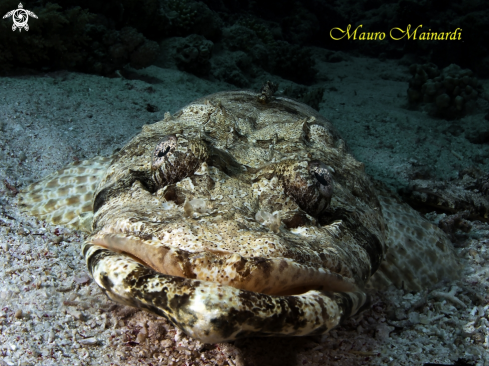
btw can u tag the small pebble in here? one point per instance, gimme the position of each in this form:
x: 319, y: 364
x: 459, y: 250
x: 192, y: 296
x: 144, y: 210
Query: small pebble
x: 23, y: 231
x: 81, y: 279
x: 166, y: 343
x: 414, y: 317
x: 18, y: 314
x: 88, y: 341
x: 142, y: 335
x: 75, y: 313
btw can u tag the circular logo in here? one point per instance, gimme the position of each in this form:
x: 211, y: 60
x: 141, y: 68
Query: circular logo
x: 20, y: 18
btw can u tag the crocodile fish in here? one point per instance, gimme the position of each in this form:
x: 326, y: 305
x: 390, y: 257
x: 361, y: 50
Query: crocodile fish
x: 240, y: 217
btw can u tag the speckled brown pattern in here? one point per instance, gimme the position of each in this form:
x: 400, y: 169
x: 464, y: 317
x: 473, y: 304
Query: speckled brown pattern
x: 468, y: 192
x: 234, y: 218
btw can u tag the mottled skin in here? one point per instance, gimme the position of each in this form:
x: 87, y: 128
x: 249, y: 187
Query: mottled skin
x: 468, y: 192
x: 236, y: 157
x: 236, y: 218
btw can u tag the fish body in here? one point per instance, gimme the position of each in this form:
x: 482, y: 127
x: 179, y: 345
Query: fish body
x: 237, y: 217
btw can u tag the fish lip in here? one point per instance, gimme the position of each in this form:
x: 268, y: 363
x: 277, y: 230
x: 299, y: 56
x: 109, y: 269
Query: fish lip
x: 271, y: 276
x: 212, y: 312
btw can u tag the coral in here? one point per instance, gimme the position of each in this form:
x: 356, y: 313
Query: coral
x: 310, y: 96
x: 118, y: 48
x: 226, y: 70
x: 72, y: 38
x: 181, y: 16
x: 143, y: 15
x: 240, y: 38
x: 291, y: 62
x: 300, y: 26
x: 277, y: 57
x: 131, y: 38
x: 261, y: 31
x: 187, y: 17
x: 234, y: 68
x: 193, y: 55
x: 473, y: 22
x: 243, y: 61
x: 144, y: 55
x: 207, y: 23
x: 449, y: 93
x: 244, y: 38
x: 451, y: 223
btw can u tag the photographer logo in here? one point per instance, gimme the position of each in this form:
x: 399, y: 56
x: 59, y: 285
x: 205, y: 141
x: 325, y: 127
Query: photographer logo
x: 20, y: 17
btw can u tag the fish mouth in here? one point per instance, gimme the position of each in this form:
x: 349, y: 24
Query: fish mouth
x: 213, y: 312
x: 271, y: 276
x: 217, y: 296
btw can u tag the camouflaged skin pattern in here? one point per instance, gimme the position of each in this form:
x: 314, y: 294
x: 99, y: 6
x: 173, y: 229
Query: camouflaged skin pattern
x: 234, y: 218
x: 65, y: 196
x: 468, y: 192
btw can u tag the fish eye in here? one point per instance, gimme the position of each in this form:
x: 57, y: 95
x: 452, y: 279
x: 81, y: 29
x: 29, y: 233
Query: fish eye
x: 310, y: 184
x: 176, y: 158
x: 163, y: 149
x: 163, y: 153
x: 321, y: 179
x: 324, y: 180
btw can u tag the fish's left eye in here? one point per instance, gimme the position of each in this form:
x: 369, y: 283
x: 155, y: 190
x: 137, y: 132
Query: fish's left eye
x: 324, y: 181
x: 163, y: 149
x: 175, y: 158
